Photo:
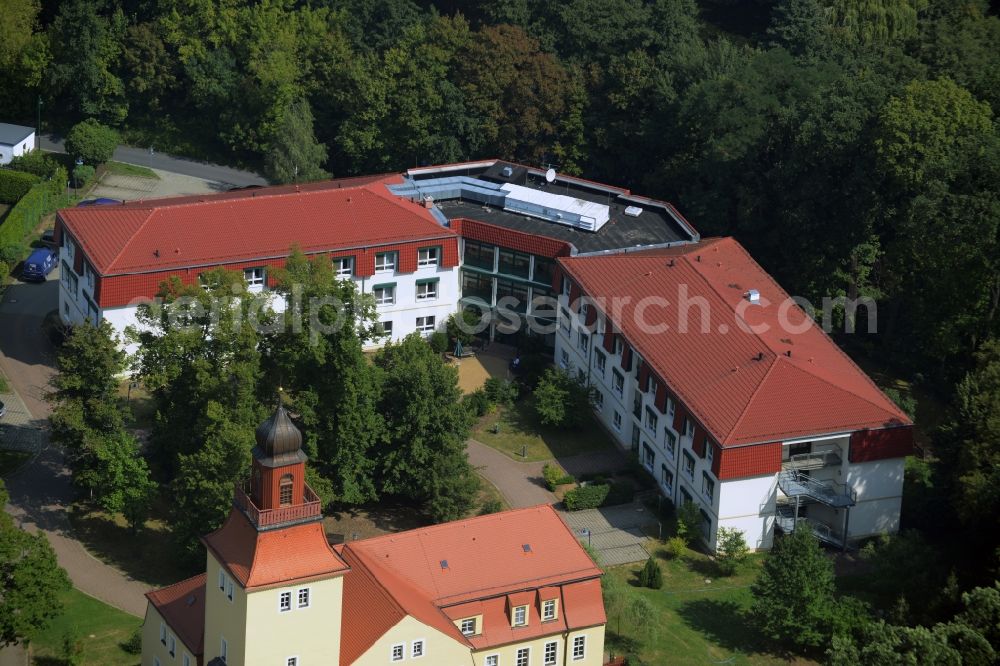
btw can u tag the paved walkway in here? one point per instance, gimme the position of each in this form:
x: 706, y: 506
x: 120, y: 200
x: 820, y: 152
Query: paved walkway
x: 520, y: 483
x: 615, y: 532
x: 40, y: 491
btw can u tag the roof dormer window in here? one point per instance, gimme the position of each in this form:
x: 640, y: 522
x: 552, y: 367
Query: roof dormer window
x: 519, y: 616
x: 548, y: 610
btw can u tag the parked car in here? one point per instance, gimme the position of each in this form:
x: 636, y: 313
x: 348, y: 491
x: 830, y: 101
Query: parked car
x: 38, y: 265
x: 100, y: 201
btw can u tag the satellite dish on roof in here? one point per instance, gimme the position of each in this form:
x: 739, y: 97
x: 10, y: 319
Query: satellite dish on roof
x: 550, y: 176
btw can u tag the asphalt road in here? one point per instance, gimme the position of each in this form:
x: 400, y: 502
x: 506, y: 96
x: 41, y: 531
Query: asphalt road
x: 141, y: 156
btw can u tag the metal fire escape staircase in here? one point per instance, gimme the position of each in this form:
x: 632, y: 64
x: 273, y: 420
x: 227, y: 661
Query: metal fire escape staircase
x: 800, y: 488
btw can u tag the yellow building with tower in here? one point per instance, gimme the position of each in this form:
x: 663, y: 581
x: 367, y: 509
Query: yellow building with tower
x: 507, y: 589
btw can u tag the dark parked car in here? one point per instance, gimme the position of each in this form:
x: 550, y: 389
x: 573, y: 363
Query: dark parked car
x: 39, y: 264
x: 100, y: 201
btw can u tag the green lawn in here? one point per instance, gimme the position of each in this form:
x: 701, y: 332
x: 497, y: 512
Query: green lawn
x: 520, y: 430
x: 99, y: 627
x: 11, y: 460
x: 122, y: 169
x: 138, y: 405
x: 698, y: 617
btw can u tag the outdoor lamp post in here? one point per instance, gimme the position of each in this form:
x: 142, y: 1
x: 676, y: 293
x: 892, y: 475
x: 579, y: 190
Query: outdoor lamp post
x: 585, y: 532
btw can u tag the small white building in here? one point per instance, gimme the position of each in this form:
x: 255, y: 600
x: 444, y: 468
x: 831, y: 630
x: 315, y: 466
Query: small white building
x: 15, y: 140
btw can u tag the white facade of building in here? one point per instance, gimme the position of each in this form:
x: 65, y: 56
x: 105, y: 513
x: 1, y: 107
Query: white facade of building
x: 749, y: 504
x: 15, y: 140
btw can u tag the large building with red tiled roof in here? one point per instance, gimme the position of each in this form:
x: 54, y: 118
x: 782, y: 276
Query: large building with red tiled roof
x: 732, y: 396
x: 512, y: 588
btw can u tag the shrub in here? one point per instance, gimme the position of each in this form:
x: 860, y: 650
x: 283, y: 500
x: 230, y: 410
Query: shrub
x: 15, y: 184
x: 561, y: 399
x: 133, y: 644
x: 35, y: 162
x: 91, y: 141
x: 501, y: 391
x: 688, y: 522
x: 650, y: 575
x: 554, y: 476
x: 81, y: 174
x: 676, y: 547
x: 730, y: 550
x: 477, y: 403
x: 438, y: 342
x: 586, y: 497
x: 461, y: 324
x: 492, y: 505
x: 4, y: 269
x: 41, y: 200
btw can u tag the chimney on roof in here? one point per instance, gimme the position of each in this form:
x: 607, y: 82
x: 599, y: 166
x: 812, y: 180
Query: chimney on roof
x: 428, y: 201
x: 753, y: 296
x: 788, y: 353
x: 760, y: 356
x: 670, y: 263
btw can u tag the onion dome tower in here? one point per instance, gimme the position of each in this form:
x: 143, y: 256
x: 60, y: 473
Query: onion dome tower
x: 277, y: 478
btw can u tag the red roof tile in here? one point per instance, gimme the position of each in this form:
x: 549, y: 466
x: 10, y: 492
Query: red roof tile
x: 168, y: 234
x: 715, y: 373
x: 273, y: 557
x: 182, y: 606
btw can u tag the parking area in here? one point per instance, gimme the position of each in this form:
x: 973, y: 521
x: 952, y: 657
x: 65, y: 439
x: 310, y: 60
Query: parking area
x: 617, y: 533
x: 130, y: 188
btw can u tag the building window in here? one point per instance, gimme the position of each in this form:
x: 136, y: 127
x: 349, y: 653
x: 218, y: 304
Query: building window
x: 385, y: 262
x: 285, y: 490
x: 617, y: 420
x: 667, y: 478
x: 478, y: 286
x: 229, y: 588
x: 427, y: 290
x: 91, y: 277
x: 584, y: 342
x: 512, y: 296
x: 600, y: 362
x: 563, y: 359
x: 689, y: 427
x: 187, y: 659
x: 670, y: 407
x: 304, y: 597
x: 427, y: 256
x: 343, y: 266
x: 492, y: 660
x: 417, y: 649
x: 385, y: 294
x: 523, y: 657
x: 224, y: 650
x: 468, y: 626
x: 549, y: 656
x: 670, y: 439
x: 709, y: 450
x: 653, y: 385
x: 599, y: 400
x: 689, y: 465
x: 156, y: 661
x: 292, y: 661
x: 163, y: 633
x: 543, y: 271
x: 579, y: 647
x: 398, y: 652
x: 171, y: 645
x: 565, y: 320
x: 618, y: 381
x: 254, y: 277
x: 648, y: 457
x: 707, y: 485
x: 222, y: 579
x: 425, y: 324
x: 513, y: 263
x: 70, y: 281
x: 651, y: 420
x: 520, y: 616
x: 285, y: 602
x: 386, y: 328
x: 548, y: 610
x: 479, y: 255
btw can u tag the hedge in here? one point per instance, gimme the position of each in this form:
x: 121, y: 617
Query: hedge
x: 43, y: 198
x: 15, y: 184
x: 596, y: 495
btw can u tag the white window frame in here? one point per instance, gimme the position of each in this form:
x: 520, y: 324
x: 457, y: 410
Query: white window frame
x: 664, y: 474
x: 430, y: 291
x: 402, y: 652
x: 229, y: 588
x: 252, y: 280
x: 618, y: 383
x: 421, y: 644
x: 186, y: 660
x: 285, y: 601
x: 519, y: 610
x: 222, y: 579
x: 707, y: 486
x: 292, y: 661
x: 429, y: 325
x: 709, y: 451
x: 342, y: 270
x: 671, y: 407
x: 563, y: 359
x: 163, y: 633
x: 688, y: 427
x: 651, y: 420
x: 384, y: 299
x: 616, y: 421
x: 579, y: 648
x: 584, y: 342
x: 600, y: 362
x: 432, y: 258
x: 385, y: 331
x: 599, y: 400
x: 299, y: 598
x: 171, y: 645
x: 548, y: 610
x: 223, y: 649
x: 669, y: 441
x: 492, y: 660
x: 648, y: 456
x: 522, y: 657
x: 387, y: 265
x: 550, y: 658
x: 565, y: 323
x: 689, y: 465
x: 156, y: 661
x: 468, y: 630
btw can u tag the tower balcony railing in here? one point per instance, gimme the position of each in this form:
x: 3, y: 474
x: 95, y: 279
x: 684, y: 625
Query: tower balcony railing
x: 263, y: 519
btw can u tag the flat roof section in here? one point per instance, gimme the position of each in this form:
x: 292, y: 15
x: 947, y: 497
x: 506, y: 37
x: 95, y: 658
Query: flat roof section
x: 11, y: 135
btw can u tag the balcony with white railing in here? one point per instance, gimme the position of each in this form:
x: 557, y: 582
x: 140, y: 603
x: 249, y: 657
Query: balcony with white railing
x: 265, y: 519
x: 813, y: 460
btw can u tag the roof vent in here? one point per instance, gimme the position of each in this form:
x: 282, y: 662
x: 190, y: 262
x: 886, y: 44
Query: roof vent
x: 507, y: 172
x: 444, y: 565
x: 670, y: 263
x: 526, y: 547
x: 428, y: 201
x: 760, y: 356
x: 753, y: 296
x: 633, y: 211
x: 788, y: 353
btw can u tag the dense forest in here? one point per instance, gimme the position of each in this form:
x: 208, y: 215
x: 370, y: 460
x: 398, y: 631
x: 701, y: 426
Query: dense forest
x: 850, y: 144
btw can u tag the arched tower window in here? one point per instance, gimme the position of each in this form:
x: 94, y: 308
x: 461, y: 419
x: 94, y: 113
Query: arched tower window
x: 285, y: 490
